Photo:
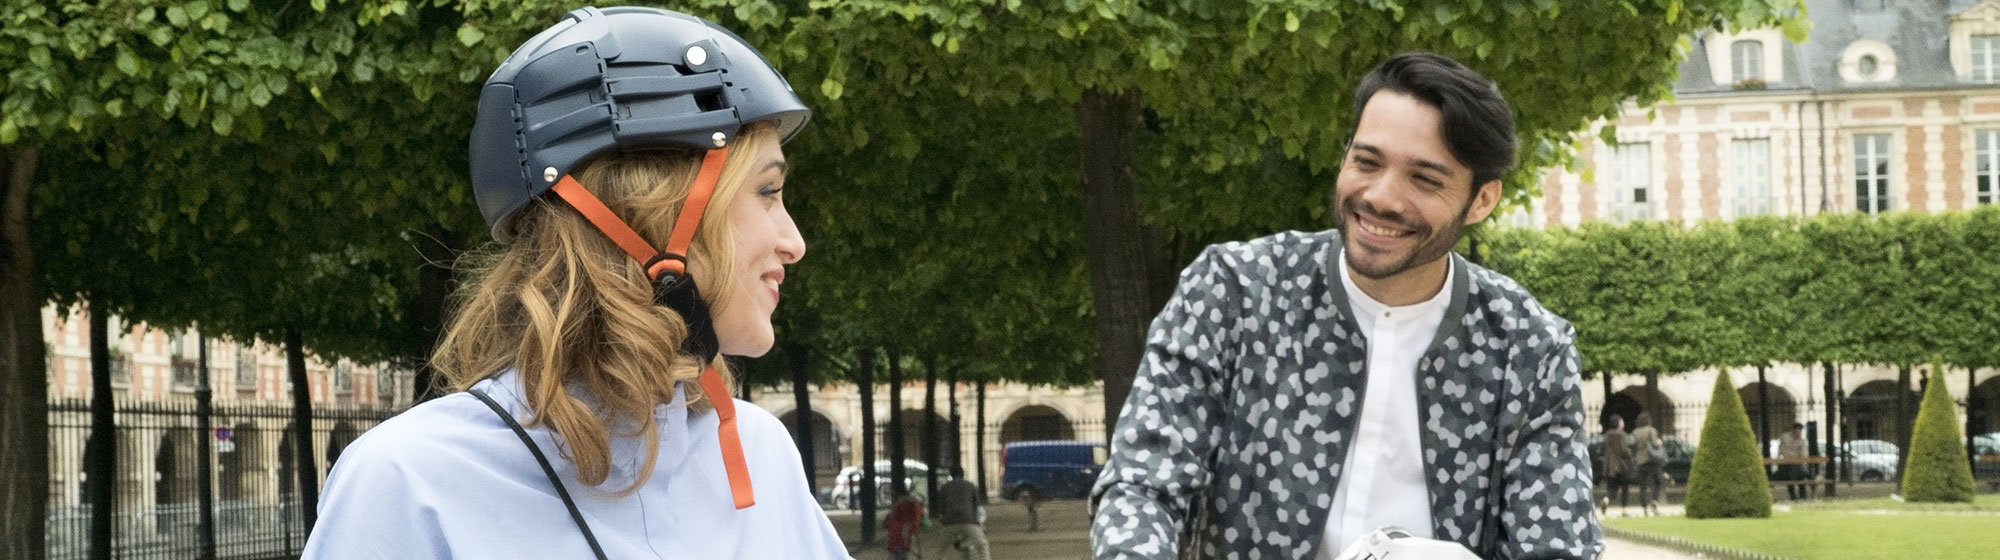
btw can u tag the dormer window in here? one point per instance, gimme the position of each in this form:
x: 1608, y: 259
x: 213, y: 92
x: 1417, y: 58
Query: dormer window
x: 1746, y: 60
x: 1985, y: 58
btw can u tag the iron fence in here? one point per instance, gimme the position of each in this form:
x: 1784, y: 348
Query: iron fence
x: 157, y: 490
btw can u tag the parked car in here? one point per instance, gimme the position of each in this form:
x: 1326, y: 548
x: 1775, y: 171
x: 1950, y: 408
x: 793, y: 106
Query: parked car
x: 1869, y: 460
x: 915, y: 476
x: 1986, y: 457
x: 1055, y: 469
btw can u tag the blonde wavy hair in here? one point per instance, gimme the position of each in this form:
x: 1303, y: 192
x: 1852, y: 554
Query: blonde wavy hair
x: 566, y: 308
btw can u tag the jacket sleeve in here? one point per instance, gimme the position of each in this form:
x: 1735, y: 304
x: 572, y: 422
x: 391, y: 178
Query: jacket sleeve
x: 1548, y: 509
x: 1172, y: 420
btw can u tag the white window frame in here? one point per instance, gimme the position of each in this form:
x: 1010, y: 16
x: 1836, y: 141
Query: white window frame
x: 1750, y: 172
x: 1985, y: 50
x: 1746, y: 60
x: 1631, y: 182
x: 1986, y: 166
x: 1873, y: 174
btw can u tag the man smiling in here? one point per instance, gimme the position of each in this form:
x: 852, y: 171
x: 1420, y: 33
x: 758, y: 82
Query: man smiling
x: 1302, y: 391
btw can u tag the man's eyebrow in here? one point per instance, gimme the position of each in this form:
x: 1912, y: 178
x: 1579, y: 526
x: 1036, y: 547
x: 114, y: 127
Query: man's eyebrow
x: 1432, y: 165
x: 1419, y: 162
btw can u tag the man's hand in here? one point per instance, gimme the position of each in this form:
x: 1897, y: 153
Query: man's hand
x: 1394, y: 543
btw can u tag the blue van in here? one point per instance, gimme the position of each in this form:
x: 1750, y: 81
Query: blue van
x: 1056, y: 469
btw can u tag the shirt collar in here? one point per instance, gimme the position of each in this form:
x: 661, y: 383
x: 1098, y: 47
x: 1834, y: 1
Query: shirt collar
x: 1366, y: 305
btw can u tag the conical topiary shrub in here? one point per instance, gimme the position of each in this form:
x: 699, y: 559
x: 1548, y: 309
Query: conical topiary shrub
x: 1727, y: 478
x: 1938, y: 471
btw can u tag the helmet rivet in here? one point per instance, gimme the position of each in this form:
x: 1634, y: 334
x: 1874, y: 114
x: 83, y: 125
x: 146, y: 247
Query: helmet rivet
x: 549, y: 175
x: 697, y: 56
x: 721, y: 140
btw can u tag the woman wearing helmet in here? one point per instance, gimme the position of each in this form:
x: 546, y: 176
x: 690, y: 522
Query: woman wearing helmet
x: 629, y: 162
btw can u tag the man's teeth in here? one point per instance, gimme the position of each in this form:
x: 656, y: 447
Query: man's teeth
x: 1382, y: 232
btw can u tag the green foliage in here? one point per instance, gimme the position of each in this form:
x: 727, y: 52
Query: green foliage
x: 256, y: 161
x: 1727, y: 478
x: 1938, y: 470
x: 1657, y: 298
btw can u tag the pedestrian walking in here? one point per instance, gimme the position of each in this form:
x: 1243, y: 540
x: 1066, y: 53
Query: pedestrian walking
x: 1032, y: 498
x: 1619, y: 471
x: 629, y: 163
x: 905, y: 519
x: 958, y: 506
x: 1649, y: 453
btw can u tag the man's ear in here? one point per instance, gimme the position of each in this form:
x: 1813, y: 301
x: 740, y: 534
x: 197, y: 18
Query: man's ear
x: 1483, y: 202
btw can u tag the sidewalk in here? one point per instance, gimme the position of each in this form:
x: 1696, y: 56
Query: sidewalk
x: 1065, y: 534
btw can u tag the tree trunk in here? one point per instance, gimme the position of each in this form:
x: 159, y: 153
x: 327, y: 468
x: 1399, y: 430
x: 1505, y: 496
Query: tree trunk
x: 101, y: 450
x: 1832, y: 450
x: 204, y: 411
x: 1763, y: 414
x: 1604, y: 416
x: 1902, y: 424
x: 930, y: 425
x: 303, y: 466
x: 24, y: 396
x: 957, y: 451
x: 802, y: 413
x: 897, y: 452
x: 1971, y: 413
x: 1126, y: 258
x: 979, y: 433
x: 435, y: 283
x: 1652, y: 404
x: 864, y: 380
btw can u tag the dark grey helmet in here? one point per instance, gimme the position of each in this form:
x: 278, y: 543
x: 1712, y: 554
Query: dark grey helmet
x: 616, y: 78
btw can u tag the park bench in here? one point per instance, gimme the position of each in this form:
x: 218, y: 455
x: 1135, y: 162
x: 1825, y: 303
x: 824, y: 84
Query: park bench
x: 1810, y: 482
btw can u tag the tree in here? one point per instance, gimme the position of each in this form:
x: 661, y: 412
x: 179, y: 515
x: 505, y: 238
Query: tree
x: 1224, y: 99
x: 1727, y: 478
x: 1938, y: 471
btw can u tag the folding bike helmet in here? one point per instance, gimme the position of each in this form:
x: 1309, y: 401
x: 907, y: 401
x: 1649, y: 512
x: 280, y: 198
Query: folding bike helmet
x: 616, y: 78
x: 629, y: 78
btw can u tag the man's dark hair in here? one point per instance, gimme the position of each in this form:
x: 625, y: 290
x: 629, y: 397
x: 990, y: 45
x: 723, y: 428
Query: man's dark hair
x: 1477, y: 124
x: 957, y: 471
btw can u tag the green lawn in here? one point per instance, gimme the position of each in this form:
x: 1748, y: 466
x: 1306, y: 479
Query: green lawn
x: 1982, y: 502
x: 1837, y: 536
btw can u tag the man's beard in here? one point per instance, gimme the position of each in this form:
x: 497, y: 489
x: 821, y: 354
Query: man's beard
x: 1435, y: 243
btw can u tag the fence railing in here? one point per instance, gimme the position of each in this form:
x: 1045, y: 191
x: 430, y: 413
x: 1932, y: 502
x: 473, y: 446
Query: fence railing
x: 157, y: 494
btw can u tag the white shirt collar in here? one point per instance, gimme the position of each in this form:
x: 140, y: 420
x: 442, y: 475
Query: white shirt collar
x: 1367, y: 306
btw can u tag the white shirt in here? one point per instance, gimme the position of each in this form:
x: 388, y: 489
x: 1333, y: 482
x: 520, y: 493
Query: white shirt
x: 449, y: 479
x: 1384, y: 483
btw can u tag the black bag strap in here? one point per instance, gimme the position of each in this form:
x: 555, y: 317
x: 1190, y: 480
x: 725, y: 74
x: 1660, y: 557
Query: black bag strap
x: 561, y: 491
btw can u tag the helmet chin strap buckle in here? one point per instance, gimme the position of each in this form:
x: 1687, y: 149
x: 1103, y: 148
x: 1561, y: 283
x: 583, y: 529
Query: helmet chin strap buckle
x: 677, y: 291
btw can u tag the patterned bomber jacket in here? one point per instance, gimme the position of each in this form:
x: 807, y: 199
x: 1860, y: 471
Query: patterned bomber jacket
x: 1241, y: 415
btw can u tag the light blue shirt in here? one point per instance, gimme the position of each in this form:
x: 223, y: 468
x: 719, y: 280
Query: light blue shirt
x: 449, y: 479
